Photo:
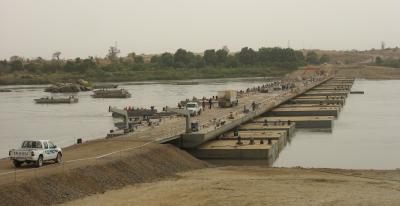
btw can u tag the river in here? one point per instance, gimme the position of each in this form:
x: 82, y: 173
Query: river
x: 365, y: 136
x: 22, y: 119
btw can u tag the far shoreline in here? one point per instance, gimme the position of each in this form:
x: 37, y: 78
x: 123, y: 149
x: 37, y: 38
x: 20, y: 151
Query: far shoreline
x: 142, y: 82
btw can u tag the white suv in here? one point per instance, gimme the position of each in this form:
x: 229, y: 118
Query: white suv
x: 36, y: 152
x: 193, y: 108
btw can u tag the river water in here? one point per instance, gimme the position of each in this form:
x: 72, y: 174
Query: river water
x: 22, y: 119
x: 365, y: 136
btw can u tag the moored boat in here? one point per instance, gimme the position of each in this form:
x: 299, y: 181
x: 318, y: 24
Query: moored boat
x: 111, y: 93
x: 51, y: 100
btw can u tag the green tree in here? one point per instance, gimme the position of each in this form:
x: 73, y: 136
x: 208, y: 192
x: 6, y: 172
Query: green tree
x: 166, y: 60
x: 183, y: 58
x: 69, y: 66
x: 247, y: 56
x: 180, y: 58
x: 16, y: 65
x: 324, y: 59
x: 87, y: 64
x: 300, y: 57
x: 197, y: 62
x: 232, y: 61
x: 3, y: 66
x: 264, y: 55
x: 192, y: 60
x: 312, y: 57
x: 275, y: 55
x: 139, y: 59
x: 222, y: 56
x: 210, y: 57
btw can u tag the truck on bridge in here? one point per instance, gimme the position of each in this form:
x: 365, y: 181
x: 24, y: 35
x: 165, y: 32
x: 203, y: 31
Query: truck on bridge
x: 227, y: 98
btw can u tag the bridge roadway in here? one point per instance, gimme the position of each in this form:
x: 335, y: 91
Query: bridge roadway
x: 171, y: 128
x: 266, y: 102
x: 174, y: 128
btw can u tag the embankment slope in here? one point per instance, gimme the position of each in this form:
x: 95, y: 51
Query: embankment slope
x: 146, y: 164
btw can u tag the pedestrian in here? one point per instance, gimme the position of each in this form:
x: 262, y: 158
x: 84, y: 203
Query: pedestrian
x: 210, y: 102
x: 204, y: 105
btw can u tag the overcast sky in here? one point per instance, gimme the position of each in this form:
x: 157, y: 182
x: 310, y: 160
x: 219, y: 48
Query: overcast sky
x: 33, y: 28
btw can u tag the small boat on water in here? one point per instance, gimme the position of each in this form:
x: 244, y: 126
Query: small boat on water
x: 111, y: 93
x: 106, y: 86
x: 51, y: 100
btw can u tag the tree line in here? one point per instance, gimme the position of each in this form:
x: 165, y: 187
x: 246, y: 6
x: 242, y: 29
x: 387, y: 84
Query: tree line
x: 286, y: 58
x: 390, y: 62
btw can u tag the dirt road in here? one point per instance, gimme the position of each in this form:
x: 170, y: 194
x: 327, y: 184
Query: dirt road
x: 259, y: 186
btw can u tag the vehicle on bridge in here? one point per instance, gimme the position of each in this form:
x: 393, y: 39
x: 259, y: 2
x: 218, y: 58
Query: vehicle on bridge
x: 193, y: 108
x: 227, y: 98
x: 36, y: 152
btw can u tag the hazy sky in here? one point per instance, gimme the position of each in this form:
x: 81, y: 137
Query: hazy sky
x: 33, y: 28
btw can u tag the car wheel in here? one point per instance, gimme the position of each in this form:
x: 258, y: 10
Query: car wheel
x: 39, y: 162
x: 59, y: 158
x: 17, y: 163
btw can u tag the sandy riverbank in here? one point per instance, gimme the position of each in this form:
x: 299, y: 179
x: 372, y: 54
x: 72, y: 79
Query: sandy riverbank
x: 368, y: 72
x: 260, y: 186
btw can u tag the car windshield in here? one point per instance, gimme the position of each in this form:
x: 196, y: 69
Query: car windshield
x: 31, y: 144
x: 192, y: 105
x: 51, y: 145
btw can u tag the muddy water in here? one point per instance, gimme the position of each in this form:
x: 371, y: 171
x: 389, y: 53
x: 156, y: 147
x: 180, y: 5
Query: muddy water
x: 21, y: 118
x: 366, y: 135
